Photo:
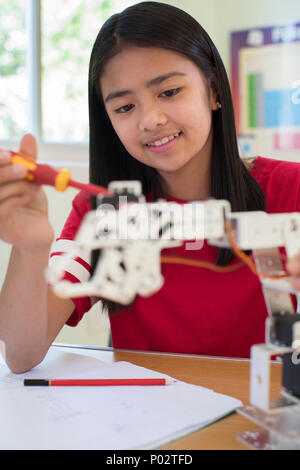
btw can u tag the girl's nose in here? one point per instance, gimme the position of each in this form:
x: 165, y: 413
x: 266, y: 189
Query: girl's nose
x: 151, y: 117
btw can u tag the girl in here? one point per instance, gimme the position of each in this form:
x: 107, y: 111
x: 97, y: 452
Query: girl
x: 160, y: 111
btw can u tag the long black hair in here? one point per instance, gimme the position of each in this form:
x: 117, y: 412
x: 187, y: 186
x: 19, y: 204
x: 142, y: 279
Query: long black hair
x: 154, y: 24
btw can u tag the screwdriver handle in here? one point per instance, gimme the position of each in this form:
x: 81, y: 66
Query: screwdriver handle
x: 42, y: 174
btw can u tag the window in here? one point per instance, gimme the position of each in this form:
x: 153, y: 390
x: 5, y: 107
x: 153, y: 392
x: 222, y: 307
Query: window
x: 13, y: 75
x: 44, y: 54
x: 68, y: 34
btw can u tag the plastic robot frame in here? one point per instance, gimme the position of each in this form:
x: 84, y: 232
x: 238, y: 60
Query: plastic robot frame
x: 130, y: 234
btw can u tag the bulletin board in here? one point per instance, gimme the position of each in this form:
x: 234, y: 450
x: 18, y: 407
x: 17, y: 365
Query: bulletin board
x: 265, y: 82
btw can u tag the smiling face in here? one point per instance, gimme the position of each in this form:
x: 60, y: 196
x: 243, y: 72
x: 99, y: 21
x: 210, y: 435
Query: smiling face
x: 160, y: 106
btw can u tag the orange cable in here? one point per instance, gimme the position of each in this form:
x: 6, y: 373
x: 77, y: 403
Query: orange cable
x: 246, y: 260
x: 200, y: 264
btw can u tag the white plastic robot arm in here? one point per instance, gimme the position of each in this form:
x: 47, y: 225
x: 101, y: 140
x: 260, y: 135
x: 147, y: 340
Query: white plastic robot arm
x: 132, y: 236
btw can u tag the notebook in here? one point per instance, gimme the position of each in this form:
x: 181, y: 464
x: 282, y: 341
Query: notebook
x: 114, y: 417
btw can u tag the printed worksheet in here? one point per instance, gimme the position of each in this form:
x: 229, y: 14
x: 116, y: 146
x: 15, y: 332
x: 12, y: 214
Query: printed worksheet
x: 109, y: 417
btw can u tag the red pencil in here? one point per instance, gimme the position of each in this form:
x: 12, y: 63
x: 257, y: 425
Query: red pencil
x: 96, y: 382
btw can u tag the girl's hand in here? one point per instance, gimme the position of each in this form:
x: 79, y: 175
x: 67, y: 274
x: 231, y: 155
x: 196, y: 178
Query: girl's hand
x: 293, y: 267
x: 23, y: 205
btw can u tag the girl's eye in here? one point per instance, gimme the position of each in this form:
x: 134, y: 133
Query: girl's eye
x: 124, y: 109
x: 172, y: 92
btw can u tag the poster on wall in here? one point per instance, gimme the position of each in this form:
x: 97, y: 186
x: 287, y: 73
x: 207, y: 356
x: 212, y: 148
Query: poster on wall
x: 265, y: 81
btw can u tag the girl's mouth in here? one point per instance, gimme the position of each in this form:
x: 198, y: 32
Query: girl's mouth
x: 164, y: 144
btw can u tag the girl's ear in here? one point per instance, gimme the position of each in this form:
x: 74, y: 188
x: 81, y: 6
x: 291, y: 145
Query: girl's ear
x: 214, y: 94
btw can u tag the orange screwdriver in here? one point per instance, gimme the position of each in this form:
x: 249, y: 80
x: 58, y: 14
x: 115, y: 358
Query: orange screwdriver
x: 44, y: 174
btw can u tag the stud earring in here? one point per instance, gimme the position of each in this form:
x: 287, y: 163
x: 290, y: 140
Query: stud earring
x: 219, y: 104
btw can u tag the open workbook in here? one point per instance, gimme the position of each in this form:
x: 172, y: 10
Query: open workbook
x: 112, y: 417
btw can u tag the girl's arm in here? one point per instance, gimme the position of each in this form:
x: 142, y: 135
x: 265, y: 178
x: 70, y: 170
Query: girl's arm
x: 31, y: 316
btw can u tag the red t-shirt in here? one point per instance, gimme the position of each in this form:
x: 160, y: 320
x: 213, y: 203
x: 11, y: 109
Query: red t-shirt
x: 196, y: 311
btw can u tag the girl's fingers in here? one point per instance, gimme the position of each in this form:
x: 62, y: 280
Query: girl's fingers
x: 28, y: 145
x: 5, y: 158
x: 293, y: 265
x: 296, y: 282
x: 8, y: 207
x: 10, y: 173
x: 16, y: 189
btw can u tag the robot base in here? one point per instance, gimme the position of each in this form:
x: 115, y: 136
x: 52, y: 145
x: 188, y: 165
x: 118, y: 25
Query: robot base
x: 281, y: 427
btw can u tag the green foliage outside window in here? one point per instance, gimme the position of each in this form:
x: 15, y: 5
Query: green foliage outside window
x: 68, y: 31
x: 13, y: 84
x: 68, y: 34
